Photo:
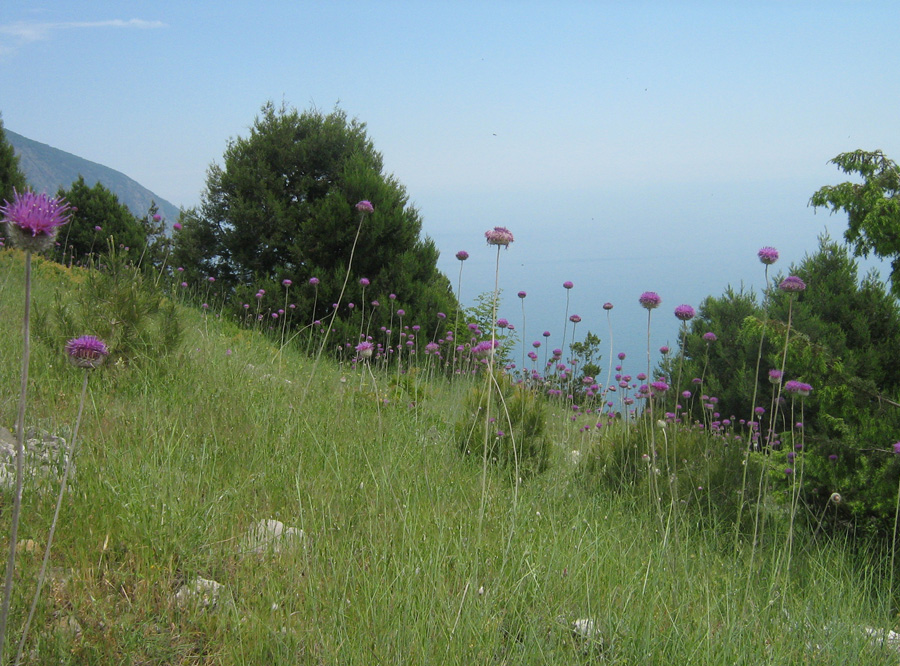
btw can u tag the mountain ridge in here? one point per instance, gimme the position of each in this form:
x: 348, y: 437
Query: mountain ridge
x: 48, y: 169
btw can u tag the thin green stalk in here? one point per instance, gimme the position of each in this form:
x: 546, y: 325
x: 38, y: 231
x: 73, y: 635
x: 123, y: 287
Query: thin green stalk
x: 59, y: 499
x: 20, y: 455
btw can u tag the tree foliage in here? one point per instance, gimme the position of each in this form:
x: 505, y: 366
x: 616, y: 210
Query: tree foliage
x: 281, y: 206
x: 98, y: 207
x: 11, y: 176
x: 843, y: 338
x: 872, y: 206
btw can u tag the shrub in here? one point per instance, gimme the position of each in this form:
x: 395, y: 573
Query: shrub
x: 516, y: 433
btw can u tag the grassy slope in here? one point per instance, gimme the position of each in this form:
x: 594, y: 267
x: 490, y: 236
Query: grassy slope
x: 178, y: 460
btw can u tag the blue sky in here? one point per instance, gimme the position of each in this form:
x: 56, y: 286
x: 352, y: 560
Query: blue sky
x: 628, y: 146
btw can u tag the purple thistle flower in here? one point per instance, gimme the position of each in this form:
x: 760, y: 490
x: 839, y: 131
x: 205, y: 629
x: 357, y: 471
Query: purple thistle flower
x: 621, y: 356
x: 833, y: 457
x: 574, y: 319
x: 896, y: 447
x: 659, y: 387
x: 441, y: 315
x: 184, y: 284
x: 502, y: 323
x: 536, y: 344
x: 775, y: 376
x: 607, y: 306
x: 792, y: 284
x: 568, y: 285
x: 286, y: 283
x: 365, y: 206
x: 499, y: 236
x: 88, y: 351
x: 664, y: 350
x: 462, y: 255
x: 364, y: 349
x: 211, y: 278
x: 684, y: 312
x: 400, y: 313
x: 522, y: 294
x: 98, y: 228
x: 157, y: 217
x: 546, y: 334
x: 797, y: 388
x: 649, y: 300
x: 364, y: 282
x: 314, y: 281
x: 768, y: 255
x: 33, y: 219
x: 485, y: 348
x: 709, y: 336
x: 177, y: 226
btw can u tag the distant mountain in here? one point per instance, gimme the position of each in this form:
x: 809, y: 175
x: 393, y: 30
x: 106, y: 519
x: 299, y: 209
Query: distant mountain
x: 47, y: 169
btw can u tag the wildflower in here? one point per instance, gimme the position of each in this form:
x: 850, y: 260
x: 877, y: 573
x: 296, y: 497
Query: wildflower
x: 98, y: 228
x: 485, y: 348
x: 502, y: 323
x: 87, y: 351
x: 833, y: 457
x: 649, y: 300
x: 664, y: 350
x: 364, y: 349
x: 797, y: 388
x: 499, y: 236
x: 286, y: 283
x: 365, y: 206
x: 364, y: 282
x: 568, y: 285
x: 184, y: 284
x: 768, y: 255
x: 32, y: 219
x: 574, y: 319
x: 685, y: 394
x: 157, y: 217
x: 211, y: 279
x: 393, y: 297
x: 709, y: 336
x: 546, y: 334
x: 775, y: 376
x: 314, y: 281
x: 659, y: 387
x: 792, y: 284
x: 607, y: 306
x: 836, y: 498
x: 896, y: 447
x: 788, y: 471
x: 400, y: 313
x: 522, y: 294
x: 684, y: 312
x: 177, y: 226
x: 441, y: 315
x: 205, y: 306
x: 621, y: 356
x: 536, y: 344
x: 462, y: 255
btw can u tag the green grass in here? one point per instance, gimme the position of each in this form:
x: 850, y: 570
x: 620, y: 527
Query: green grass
x: 178, y: 459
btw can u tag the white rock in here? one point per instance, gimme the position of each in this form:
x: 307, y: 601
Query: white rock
x: 889, y: 639
x: 200, y: 592
x: 270, y: 536
x: 584, y: 628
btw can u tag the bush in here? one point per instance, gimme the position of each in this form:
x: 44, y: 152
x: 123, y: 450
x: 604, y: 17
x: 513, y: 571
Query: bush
x: 516, y: 434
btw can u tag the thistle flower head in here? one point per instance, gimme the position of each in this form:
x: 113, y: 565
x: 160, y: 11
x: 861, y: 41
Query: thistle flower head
x: 775, y: 376
x: 659, y: 387
x: 462, y: 255
x: 684, y: 312
x: 607, y: 306
x: 314, y: 281
x: 502, y: 323
x: 364, y: 349
x: 797, y: 388
x: 649, y: 300
x: 364, y: 282
x: 177, y: 226
x: 767, y: 255
x: 87, y: 351
x: 32, y: 219
x: 709, y: 336
x: 792, y: 284
x: 499, y: 236
x: 522, y: 294
x: 574, y: 319
x: 568, y: 285
x: 365, y: 206
x: 286, y: 283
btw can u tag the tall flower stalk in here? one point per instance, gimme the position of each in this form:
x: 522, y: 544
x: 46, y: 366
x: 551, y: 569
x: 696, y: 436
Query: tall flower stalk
x: 89, y: 353
x: 462, y: 255
x: 650, y: 300
x: 32, y: 221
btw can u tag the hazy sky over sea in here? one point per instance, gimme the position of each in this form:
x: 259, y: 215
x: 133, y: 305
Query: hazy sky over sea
x: 628, y: 146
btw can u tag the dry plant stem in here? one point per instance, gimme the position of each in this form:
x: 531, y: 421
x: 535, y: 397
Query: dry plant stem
x: 20, y: 455
x: 894, y: 546
x: 59, y: 499
x: 762, y: 338
x: 312, y: 373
